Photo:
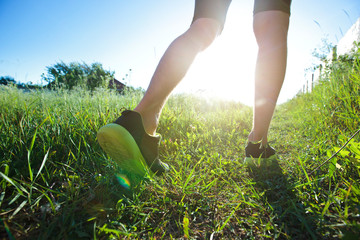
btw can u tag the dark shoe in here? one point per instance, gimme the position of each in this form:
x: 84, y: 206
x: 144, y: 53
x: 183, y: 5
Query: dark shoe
x: 257, y: 151
x: 130, y: 146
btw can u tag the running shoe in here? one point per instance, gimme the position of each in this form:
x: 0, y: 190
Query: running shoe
x: 127, y: 143
x: 256, y: 151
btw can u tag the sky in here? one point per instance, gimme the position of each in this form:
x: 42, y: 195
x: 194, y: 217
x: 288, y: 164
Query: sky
x: 124, y: 35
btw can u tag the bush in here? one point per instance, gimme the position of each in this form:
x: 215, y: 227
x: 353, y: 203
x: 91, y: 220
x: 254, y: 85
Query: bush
x: 7, y: 80
x: 68, y: 76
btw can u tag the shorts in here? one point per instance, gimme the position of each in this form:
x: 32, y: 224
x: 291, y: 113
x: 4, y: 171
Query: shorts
x: 217, y: 9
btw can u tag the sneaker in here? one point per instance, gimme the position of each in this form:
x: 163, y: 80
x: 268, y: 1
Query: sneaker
x: 130, y: 146
x: 257, y: 151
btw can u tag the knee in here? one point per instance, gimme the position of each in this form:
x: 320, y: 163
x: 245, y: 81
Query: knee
x: 203, y: 32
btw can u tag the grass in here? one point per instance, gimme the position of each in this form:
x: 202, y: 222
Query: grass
x: 57, y: 183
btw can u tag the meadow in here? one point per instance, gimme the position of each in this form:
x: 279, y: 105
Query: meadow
x: 57, y: 183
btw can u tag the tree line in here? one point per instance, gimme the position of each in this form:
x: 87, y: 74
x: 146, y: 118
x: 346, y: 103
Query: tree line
x: 68, y: 76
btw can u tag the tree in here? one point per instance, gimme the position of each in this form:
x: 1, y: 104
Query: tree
x: 7, y: 80
x: 77, y: 74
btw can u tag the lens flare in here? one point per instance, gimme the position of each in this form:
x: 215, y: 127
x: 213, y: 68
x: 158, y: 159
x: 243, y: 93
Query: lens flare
x: 123, y: 180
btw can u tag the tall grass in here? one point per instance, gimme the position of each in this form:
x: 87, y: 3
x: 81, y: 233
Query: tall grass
x: 57, y: 183
x: 330, y: 116
x: 49, y: 150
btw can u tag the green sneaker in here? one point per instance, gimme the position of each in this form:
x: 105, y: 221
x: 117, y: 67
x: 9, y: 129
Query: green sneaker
x: 255, y: 152
x: 130, y: 146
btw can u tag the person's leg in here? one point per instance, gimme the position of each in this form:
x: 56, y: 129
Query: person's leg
x: 208, y: 22
x: 131, y: 140
x: 173, y: 67
x: 270, y: 28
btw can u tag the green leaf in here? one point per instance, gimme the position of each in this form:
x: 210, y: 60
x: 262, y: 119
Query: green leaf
x: 332, y: 166
x: 354, y: 147
x: 342, y: 153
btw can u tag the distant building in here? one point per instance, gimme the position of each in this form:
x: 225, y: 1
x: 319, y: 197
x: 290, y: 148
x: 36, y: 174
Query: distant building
x: 346, y: 43
x: 117, y: 85
x: 344, y: 46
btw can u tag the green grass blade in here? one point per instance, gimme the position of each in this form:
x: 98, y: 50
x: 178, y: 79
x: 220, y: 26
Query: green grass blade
x: 20, y: 191
x: 191, y: 175
x: 229, y: 217
x: 6, y: 172
x: 18, y: 208
x: 28, y: 155
x: 50, y: 201
x: 304, y: 170
x: 303, y: 221
x: 42, y: 164
x: 33, y: 140
x: 186, y: 226
x: 326, y: 207
x: 32, y: 146
x: 2, y: 195
x: 95, y: 230
x: 29, y: 166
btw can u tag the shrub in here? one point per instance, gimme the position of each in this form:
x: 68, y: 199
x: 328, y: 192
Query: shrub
x: 7, y: 80
x: 77, y: 74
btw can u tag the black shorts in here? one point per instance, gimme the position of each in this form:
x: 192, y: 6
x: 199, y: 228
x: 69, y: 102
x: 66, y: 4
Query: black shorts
x: 217, y: 9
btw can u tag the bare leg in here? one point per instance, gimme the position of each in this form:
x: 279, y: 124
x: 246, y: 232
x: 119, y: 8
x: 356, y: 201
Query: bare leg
x: 173, y: 67
x: 270, y: 28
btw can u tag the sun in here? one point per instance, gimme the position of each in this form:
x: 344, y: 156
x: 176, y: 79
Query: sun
x: 226, y: 69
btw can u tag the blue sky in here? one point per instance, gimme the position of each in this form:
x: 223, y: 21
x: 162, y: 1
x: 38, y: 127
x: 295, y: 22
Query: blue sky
x: 125, y: 35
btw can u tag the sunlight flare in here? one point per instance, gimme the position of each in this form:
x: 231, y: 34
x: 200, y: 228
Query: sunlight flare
x: 123, y: 180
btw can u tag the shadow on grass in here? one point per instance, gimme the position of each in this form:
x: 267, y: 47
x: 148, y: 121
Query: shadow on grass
x: 287, y: 211
x: 92, y: 208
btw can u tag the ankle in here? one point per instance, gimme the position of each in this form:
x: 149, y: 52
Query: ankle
x: 253, y: 138
x: 150, y: 121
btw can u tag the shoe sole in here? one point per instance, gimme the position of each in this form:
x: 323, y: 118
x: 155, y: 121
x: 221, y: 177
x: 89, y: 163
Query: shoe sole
x: 118, y: 143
